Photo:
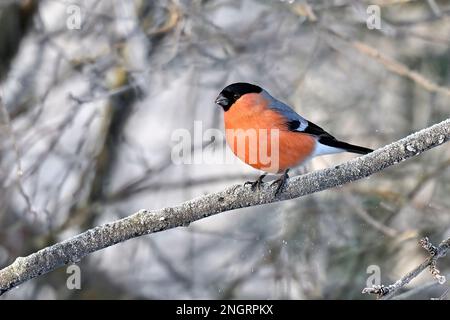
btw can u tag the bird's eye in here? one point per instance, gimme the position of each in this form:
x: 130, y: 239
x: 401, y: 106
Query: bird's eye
x: 236, y: 96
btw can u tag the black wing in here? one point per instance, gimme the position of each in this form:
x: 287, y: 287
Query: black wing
x: 311, y: 129
x: 326, y: 138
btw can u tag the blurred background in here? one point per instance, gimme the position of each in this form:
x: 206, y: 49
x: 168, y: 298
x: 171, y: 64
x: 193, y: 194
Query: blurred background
x: 92, y: 92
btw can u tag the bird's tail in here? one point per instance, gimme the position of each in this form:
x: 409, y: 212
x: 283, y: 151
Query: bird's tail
x: 345, y: 146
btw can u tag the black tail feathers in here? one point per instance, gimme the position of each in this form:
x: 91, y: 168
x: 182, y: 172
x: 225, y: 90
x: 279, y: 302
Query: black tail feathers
x: 346, y: 146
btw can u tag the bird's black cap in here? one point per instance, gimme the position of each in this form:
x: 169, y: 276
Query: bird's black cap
x: 233, y: 92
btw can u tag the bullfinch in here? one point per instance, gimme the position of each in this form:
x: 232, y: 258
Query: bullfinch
x: 270, y: 136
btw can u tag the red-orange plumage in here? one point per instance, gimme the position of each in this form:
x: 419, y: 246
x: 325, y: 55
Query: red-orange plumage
x: 251, y: 112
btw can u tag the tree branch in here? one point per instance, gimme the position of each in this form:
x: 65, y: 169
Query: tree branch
x: 386, y: 292
x: 393, y: 65
x: 234, y: 197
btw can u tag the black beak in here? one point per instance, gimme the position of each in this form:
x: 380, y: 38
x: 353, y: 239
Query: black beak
x: 222, y: 101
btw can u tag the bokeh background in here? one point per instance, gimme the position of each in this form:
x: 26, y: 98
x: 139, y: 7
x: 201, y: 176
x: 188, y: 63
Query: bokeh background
x: 87, y: 118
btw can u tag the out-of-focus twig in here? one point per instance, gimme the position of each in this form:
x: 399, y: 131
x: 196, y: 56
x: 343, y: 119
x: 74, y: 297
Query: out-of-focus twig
x: 393, y: 66
x: 427, y: 177
x: 126, y: 193
x: 16, y: 19
x: 173, y: 18
x: 363, y: 214
x: 4, y: 117
x: 434, y: 8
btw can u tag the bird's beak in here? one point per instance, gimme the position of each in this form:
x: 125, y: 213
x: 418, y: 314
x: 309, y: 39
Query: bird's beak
x: 222, y: 101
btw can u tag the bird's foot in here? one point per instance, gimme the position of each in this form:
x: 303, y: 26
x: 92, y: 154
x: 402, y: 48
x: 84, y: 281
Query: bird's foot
x: 281, y: 182
x: 255, y: 185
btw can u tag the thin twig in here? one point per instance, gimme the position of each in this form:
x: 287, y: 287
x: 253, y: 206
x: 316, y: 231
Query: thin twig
x: 440, y: 251
x: 363, y: 214
x: 393, y: 65
x: 19, y: 172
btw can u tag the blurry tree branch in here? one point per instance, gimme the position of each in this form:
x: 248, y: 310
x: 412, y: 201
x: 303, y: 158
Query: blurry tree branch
x: 363, y: 214
x: 435, y: 252
x: 393, y: 65
x: 15, y: 19
x: 145, y: 221
x: 119, y: 108
x: 5, y: 121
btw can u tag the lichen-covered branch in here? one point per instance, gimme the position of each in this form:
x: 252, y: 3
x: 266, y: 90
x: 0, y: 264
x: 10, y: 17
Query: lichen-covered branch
x: 234, y: 197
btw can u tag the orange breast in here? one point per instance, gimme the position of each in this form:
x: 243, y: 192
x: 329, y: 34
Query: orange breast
x: 259, y: 136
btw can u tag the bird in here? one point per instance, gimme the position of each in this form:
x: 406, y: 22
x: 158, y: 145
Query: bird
x: 270, y: 136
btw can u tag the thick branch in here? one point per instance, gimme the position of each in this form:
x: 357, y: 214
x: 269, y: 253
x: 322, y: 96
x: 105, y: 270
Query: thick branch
x: 238, y: 196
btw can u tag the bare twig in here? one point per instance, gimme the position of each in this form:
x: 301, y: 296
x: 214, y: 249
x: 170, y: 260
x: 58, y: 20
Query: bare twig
x: 440, y: 251
x: 234, y: 197
x: 19, y: 172
x: 363, y: 214
x: 393, y: 65
x: 174, y: 16
x: 419, y: 289
x: 427, y: 177
x: 434, y: 8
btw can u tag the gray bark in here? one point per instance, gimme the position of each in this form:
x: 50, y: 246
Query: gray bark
x: 149, y: 221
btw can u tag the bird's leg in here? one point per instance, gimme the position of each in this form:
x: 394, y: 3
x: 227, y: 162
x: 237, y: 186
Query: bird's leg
x: 256, y: 184
x: 281, y: 182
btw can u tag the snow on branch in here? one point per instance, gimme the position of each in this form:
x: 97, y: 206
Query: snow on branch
x: 238, y: 196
